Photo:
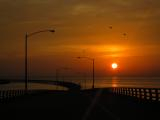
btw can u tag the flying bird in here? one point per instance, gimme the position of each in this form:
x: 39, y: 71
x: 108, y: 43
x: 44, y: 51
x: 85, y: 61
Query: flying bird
x: 110, y: 27
x: 124, y: 34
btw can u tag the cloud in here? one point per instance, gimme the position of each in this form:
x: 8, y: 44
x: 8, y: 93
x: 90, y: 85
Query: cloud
x: 83, y: 9
x: 82, y: 21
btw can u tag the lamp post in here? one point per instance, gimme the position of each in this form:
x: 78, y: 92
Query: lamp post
x: 26, y: 53
x: 92, y: 59
x: 58, y: 73
x: 82, y: 81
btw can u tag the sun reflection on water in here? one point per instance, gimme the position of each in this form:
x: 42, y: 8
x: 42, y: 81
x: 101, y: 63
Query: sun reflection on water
x: 114, y: 81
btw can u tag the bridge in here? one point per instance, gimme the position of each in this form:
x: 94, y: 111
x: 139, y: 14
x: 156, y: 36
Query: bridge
x: 92, y: 104
x: 70, y: 85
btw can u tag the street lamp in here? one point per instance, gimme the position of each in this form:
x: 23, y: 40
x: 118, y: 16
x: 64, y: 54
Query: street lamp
x: 92, y: 59
x: 81, y: 80
x: 58, y: 73
x: 26, y: 53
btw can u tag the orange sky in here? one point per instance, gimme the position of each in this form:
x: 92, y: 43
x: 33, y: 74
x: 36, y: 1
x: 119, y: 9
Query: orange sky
x: 82, y: 29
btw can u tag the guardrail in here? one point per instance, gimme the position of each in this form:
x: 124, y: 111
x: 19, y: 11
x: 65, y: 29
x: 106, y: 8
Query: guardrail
x: 152, y: 94
x: 9, y: 94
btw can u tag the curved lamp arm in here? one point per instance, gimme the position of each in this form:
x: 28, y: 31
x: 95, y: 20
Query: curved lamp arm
x: 86, y: 58
x: 48, y: 30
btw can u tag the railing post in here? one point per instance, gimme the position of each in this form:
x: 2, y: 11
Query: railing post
x: 136, y: 90
x: 3, y: 94
x: 125, y: 91
x: 122, y: 91
x: 116, y: 90
x: 7, y: 94
x: 150, y: 94
x: 113, y: 90
x: 140, y: 94
x: 133, y: 92
x: 145, y: 93
x: 129, y: 91
x: 0, y: 95
x: 157, y: 96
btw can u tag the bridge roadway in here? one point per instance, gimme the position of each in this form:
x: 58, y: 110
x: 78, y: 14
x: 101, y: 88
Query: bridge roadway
x: 70, y: 85
x: 97, y: 104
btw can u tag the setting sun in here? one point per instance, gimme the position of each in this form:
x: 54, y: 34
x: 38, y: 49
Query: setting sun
x: 114, y: 65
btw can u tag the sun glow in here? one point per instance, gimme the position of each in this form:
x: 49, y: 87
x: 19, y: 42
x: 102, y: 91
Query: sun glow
x: 114, y: 65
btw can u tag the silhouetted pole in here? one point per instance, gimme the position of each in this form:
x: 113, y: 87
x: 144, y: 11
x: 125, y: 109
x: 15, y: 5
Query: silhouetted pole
x: 93, y: 60
x: 93, y: 74
x: 26, y: 63
x: 58, y: 74
x: 26, y: 54
x: 57, y: 78
x: 85, y: 81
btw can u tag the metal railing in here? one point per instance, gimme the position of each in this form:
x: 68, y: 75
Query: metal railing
x: 6, y: 95
x: 152, y: 94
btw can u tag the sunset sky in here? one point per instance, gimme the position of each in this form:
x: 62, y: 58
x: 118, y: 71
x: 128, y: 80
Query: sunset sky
x: 82, y: 29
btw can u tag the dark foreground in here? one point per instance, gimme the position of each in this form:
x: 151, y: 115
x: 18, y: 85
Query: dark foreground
x: 97, y: 104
